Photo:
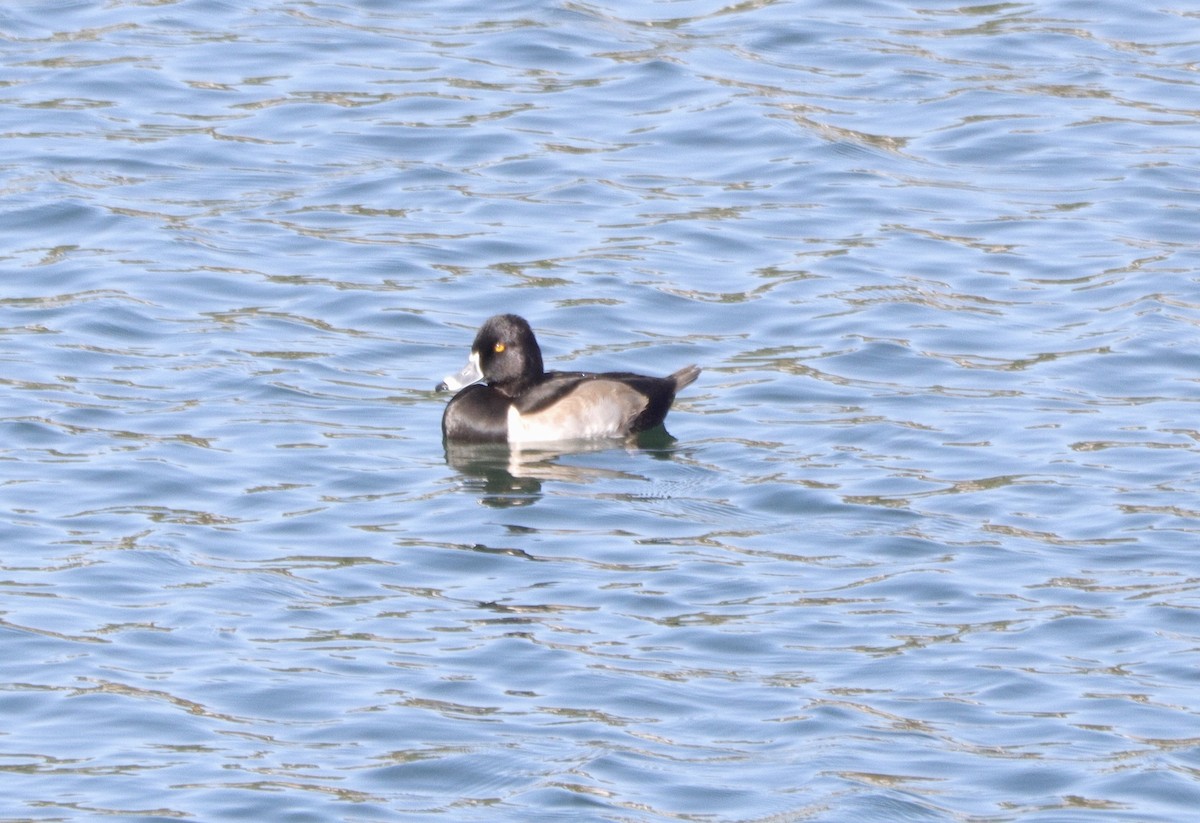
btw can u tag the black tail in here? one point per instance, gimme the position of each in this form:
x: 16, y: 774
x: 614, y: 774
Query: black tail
x: 685, y: 376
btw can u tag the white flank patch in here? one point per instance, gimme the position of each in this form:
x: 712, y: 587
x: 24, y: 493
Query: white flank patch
x: 596, y: 409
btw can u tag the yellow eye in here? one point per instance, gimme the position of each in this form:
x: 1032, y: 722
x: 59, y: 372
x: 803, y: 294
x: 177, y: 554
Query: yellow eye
x: 498, y: 348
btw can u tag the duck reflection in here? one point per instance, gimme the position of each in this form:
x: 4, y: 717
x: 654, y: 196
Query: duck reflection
x: 507, y: 476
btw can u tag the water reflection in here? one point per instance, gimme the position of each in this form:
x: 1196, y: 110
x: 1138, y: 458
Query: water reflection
x: 507, y: 476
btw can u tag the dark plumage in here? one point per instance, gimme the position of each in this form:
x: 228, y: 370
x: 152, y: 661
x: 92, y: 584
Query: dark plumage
x: 522, y: 402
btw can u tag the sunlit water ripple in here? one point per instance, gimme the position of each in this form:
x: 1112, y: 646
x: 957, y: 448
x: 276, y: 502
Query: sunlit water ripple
x: 923, y: 549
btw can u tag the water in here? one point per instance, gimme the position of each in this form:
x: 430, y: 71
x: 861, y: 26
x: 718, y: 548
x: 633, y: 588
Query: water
x: 924, y: 547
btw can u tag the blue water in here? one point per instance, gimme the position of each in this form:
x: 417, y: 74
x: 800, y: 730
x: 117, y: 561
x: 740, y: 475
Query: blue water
x: 923, y: 547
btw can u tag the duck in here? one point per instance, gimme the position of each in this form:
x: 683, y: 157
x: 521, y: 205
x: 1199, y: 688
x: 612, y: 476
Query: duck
x: 504, y: 394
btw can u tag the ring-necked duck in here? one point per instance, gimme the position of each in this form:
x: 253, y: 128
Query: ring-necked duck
x: 523, y: 403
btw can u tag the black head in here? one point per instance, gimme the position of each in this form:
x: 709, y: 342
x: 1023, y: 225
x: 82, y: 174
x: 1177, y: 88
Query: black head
x: 508, y: 353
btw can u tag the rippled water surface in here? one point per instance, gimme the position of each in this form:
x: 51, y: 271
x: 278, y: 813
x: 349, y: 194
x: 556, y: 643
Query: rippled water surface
x: 924, y: 547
